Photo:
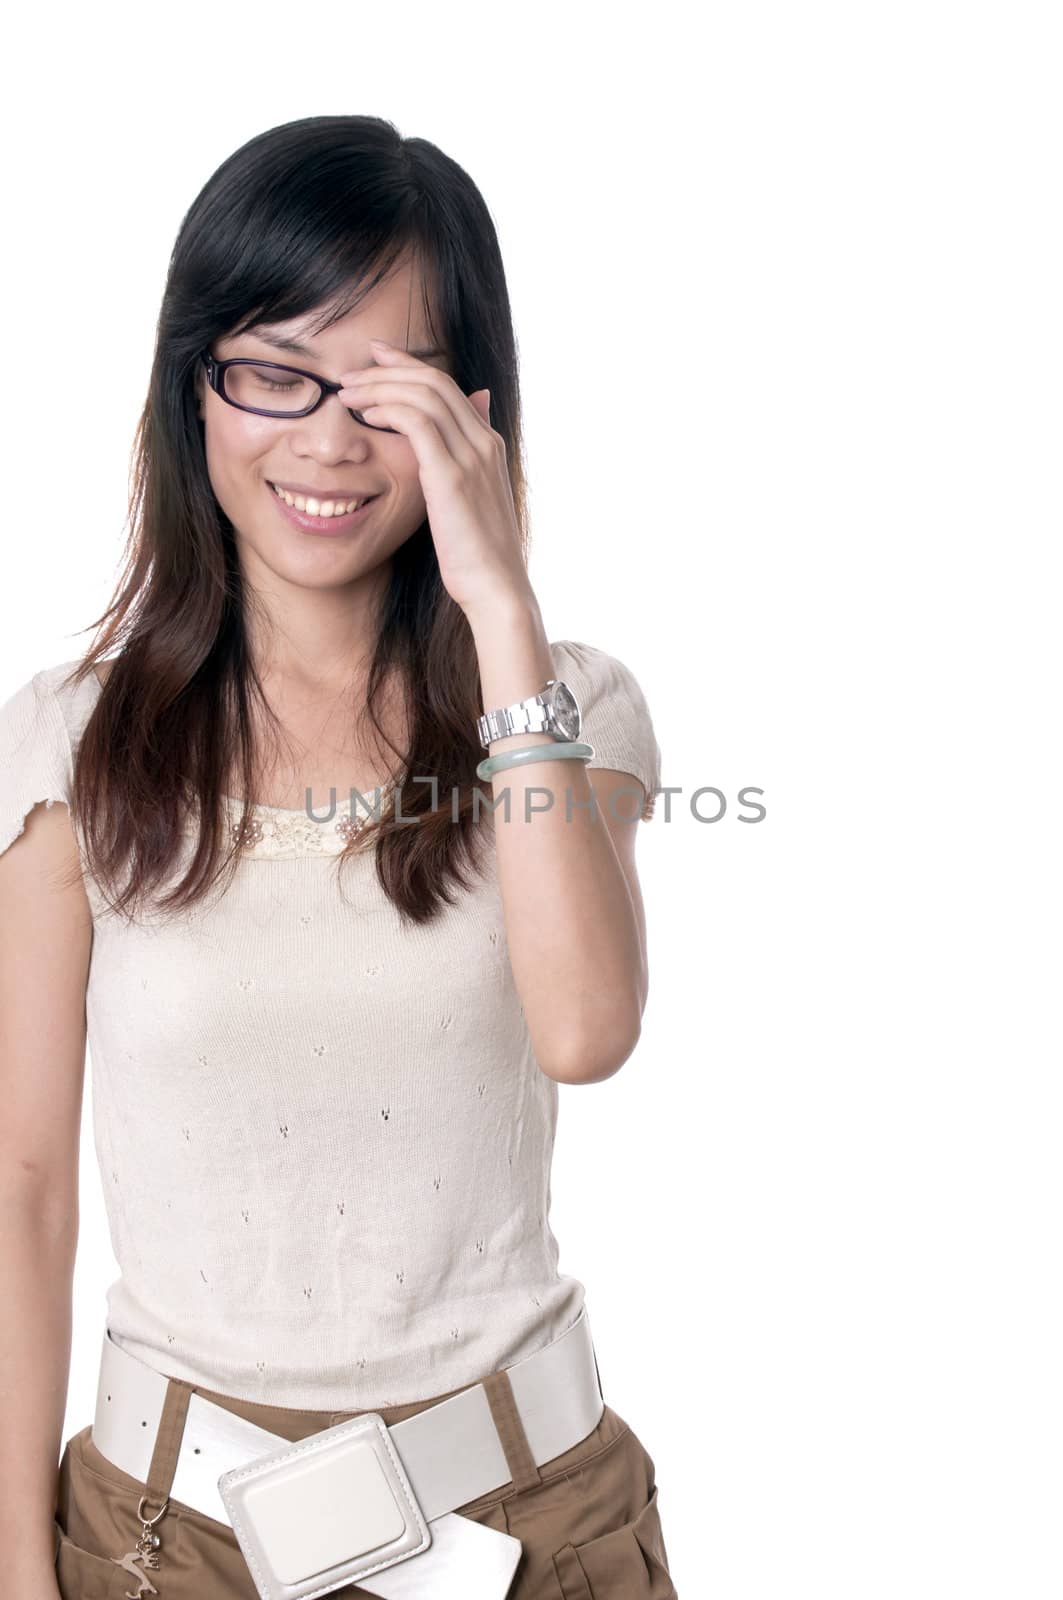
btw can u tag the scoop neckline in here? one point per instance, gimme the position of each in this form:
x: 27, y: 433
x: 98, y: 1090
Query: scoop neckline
x: 235, y: 804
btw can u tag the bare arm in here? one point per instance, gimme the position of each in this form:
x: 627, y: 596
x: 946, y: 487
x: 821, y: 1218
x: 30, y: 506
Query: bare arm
x: 575, y: 923
x: 45, y: 945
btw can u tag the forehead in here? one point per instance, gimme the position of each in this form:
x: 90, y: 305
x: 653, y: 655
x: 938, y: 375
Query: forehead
x: 393, y: 309
x: 315, y: 350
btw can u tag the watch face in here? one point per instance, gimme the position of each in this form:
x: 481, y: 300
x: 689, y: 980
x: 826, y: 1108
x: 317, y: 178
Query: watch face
x: 566, y: 710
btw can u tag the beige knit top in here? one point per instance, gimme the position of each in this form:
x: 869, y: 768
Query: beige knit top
x: 324, y: 1141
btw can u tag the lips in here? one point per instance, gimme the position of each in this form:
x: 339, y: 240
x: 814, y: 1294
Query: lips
x: 326, y: 511
x: 325, y: 519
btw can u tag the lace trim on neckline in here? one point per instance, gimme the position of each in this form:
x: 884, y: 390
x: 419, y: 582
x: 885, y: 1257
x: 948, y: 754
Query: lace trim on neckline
x: 272, y: 832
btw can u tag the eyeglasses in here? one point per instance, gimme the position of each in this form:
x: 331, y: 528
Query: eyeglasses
x: 285, y: 391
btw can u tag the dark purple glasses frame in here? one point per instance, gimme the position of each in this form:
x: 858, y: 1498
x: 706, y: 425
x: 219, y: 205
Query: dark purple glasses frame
x: 216, y: 378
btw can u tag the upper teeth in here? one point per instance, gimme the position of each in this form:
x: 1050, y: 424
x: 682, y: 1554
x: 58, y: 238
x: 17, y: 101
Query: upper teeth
x: 317, y: 508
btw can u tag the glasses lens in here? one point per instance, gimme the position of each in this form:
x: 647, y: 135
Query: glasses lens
x: 269, y: 388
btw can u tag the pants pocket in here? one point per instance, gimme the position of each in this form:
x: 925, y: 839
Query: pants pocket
x: 97, y: 1526
x: 80, y: 1575
x: 627, y: 1563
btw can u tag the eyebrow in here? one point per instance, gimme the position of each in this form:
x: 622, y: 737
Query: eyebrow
x: 279, y: 342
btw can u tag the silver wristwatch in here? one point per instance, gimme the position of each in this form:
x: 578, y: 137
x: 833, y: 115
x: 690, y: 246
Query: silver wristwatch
x: 554, y: 709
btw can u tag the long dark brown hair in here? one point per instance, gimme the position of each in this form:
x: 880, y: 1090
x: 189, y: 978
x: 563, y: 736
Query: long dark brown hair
x: 308, y: 215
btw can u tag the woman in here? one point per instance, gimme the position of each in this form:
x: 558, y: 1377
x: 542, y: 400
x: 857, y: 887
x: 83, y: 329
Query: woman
x: 329, y: 991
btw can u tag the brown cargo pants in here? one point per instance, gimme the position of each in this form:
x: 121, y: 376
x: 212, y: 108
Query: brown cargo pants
x: 588, y: 1520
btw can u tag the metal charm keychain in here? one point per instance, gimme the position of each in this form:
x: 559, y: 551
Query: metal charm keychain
x: 145, y: 1551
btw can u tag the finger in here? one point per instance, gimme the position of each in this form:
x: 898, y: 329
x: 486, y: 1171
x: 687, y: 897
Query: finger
x: 443, y: 451
x: 478, y: 432
x: 407, y: 397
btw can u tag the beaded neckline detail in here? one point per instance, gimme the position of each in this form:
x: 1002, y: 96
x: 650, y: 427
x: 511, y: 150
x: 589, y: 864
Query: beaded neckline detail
x: 272, y: 833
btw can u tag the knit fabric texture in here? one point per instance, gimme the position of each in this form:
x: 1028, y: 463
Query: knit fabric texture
x: 324, y: 1140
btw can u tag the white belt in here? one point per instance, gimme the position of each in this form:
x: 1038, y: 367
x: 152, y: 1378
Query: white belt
x: 361, y: 1502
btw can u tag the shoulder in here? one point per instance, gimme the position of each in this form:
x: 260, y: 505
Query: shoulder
x: 590, y: 667
x: 40, y: 723
x: 615, y: 713
x: 50, y: 702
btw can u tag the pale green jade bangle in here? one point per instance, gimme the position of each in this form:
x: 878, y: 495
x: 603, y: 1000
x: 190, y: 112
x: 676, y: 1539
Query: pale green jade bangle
x: 560, y: 750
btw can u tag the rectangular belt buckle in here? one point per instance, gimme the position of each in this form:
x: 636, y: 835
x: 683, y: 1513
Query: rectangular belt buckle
x: 324, y: 1511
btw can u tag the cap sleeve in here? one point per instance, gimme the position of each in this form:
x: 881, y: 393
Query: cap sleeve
x: 616, y: 718
x: 35, y: 756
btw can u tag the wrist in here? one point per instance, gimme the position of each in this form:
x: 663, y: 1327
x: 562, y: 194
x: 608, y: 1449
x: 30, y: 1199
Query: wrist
x: 508, y: 611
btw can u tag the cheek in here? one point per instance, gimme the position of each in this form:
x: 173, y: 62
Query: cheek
x: 234, y: 441
x: 401, y: 464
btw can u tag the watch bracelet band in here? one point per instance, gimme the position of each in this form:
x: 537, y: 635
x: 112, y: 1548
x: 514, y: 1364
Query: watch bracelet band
x: 502, y: 723
x: 530, y: 715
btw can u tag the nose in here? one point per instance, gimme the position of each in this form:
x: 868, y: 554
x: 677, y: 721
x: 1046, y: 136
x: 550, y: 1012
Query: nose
x: 332, y: 433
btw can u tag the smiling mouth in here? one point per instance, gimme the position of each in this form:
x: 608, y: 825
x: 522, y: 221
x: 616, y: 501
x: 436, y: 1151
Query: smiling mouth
x: 314, y: 507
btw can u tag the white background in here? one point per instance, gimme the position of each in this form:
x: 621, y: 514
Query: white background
x: 786, y: 282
